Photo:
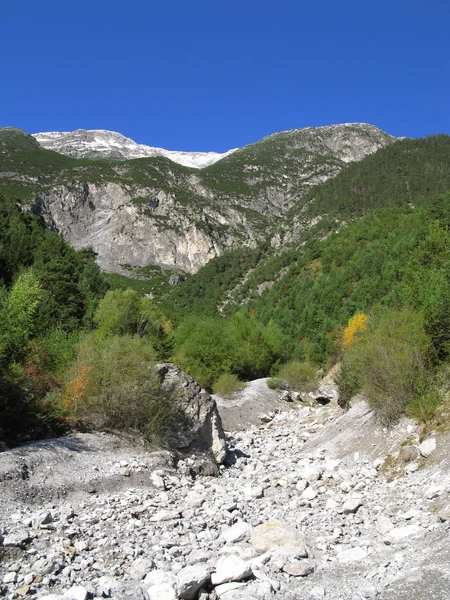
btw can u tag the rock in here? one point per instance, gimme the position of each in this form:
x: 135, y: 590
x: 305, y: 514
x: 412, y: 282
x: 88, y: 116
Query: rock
x: 45, y: 566
x: 286, y: 396
x: 400, y: 533
x: 158, y: 577
x: 444, y: 513
x: 77, y: 592
x: 165, y: 515
x: 42, y: 517
x: 276, y: 534
x: 19, y: 539
x: 162, y: 591
x: 237, y: 533
x: 352, y: 555
x: 434, y: 491
x: 309, y: 494
x: 10, y: 577
x: 384, y: 524
x: 408, y: 454
x: 427, y: 447
x: 351, y: 505
x: 190, y: 580
x: 223, y: 590
x: 300, y: 568
x: 198, y: 425
x: 129, y: 590
x: 140, y: 567
x: 231, y: 568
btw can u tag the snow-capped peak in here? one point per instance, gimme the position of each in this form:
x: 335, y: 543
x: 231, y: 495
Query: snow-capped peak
x: 100, y: 143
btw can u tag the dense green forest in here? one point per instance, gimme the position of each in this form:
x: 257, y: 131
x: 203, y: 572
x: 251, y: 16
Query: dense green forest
x: 368, y: 285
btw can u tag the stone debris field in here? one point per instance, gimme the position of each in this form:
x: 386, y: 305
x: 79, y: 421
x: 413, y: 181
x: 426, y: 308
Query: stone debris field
x: 312, y: 503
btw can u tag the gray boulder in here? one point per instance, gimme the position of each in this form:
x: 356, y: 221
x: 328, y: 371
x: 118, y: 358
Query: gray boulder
x: 198, y: 426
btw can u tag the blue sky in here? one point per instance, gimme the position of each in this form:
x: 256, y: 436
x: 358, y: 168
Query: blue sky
x: 210, y: 76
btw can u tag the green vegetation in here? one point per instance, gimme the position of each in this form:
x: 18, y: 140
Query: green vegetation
x: 368, y: 284
x: 227, y: 385
x: 300, y: 376
x: 113, y: 386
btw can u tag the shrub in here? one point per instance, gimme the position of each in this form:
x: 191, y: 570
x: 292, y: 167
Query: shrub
x: 357, y: 323
x: 114, y: 386
x: 299, y: 375
x: 227, y: 384
x: 423, y: 408
x: 388, y: 363
x: 274, y: 383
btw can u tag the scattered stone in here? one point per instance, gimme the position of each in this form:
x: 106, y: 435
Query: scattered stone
x: 427, y: 447
x: 298, y: 568
x: 237, y: 533
x: 351, y: 505
x: 277, y: 534
x: 190, y: 580
x: 352, y: 555
x: 231, y: 568
x: 400, y: 533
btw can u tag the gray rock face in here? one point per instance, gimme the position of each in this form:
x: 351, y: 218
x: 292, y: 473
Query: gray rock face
x: 198, y: 425
x: 182, y: 219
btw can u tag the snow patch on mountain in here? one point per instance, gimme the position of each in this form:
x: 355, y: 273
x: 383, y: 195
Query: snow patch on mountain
x: 100, y: 143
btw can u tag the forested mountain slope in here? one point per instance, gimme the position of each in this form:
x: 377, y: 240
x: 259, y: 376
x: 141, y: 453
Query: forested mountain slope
x: 154, y: 211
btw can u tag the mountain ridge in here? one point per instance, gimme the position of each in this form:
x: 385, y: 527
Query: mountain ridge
x: 103, y: 143
x: 153, y: 211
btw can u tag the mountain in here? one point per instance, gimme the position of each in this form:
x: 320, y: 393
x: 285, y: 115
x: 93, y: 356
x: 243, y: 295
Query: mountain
x: 153, y: 211
x: 99, y: 143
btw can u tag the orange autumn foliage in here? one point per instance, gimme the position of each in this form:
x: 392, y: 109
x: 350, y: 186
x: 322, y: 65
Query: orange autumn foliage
x: 355, y: 324
x: 75, y: 391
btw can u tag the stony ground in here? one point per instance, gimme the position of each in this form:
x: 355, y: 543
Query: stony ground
x: 307, y: 508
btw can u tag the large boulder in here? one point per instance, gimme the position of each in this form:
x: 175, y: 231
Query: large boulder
x: 198, y: 426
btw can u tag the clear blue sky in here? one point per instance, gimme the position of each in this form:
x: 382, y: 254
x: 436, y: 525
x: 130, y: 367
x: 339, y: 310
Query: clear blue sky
x: 214, y: 75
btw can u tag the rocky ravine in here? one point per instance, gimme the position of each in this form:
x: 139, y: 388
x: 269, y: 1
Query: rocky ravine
x: 303, y: 510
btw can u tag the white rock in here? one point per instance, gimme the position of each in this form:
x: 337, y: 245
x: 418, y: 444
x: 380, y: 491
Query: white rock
x: 276, y: 534
x: 427, y: 447
x: 384, y: 524
x: 190, y: 580
x: 162, y: 591
x: 331, y: 465
x: 301, y: 485
x: 237, y: 533
x: 309, y: 494
x: 434, y: 491
x: 165, y: 515
x: 352, y: 555
x: 77, y: 592
x: 10, y: 577
x: 222, y: 590
x: 158, y: 577
x: 400, y: 533
x: 231, y: 568
x: 351, y: 505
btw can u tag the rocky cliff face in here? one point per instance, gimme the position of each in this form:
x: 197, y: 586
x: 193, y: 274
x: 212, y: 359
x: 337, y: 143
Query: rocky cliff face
x: 154, y: 211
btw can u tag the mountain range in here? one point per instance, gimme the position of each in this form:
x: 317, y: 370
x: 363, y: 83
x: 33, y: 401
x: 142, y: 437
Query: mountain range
x: 138, y: 206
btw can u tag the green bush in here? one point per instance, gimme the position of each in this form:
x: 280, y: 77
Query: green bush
x: 274, y: 383
x: 389, y: 363
x: 121, y: 388
x: 299, y: 375
x: 227, y: 384
x: 423, y: 408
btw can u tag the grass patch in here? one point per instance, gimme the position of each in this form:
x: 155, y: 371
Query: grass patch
x: 227, y: 384
x: 299, y: 375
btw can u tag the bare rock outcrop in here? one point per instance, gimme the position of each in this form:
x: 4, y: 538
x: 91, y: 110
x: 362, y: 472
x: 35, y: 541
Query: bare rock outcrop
x: 198, y: 426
